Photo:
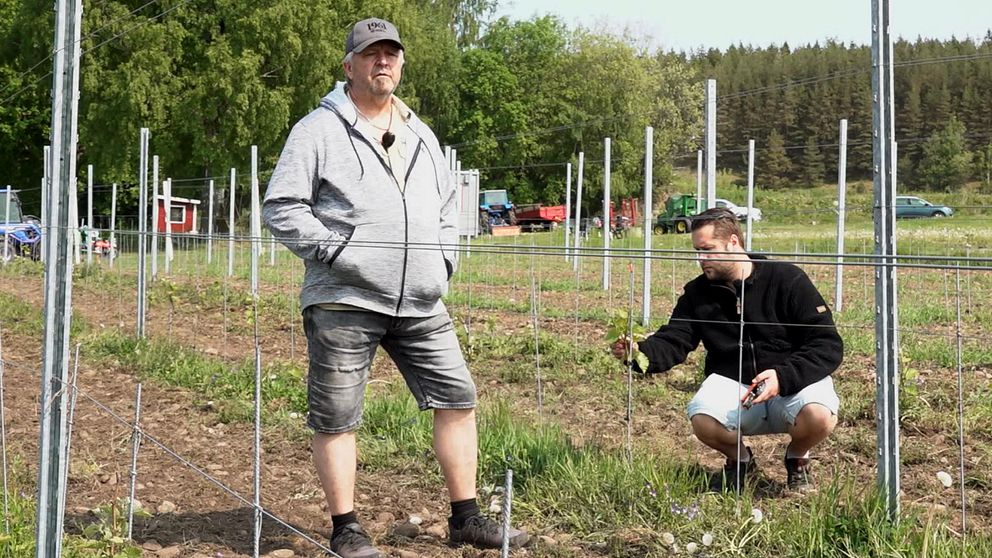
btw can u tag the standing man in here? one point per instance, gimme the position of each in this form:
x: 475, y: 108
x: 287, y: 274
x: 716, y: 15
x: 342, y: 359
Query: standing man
x: 790, y: 349
x: 361, y: 193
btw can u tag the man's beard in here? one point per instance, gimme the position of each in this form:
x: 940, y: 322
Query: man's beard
x: 721, y: 272
x: 382, y: 86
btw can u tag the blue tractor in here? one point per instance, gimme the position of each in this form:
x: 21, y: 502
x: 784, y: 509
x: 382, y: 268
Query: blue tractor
x: 495, y: 210
x: 20, y: 235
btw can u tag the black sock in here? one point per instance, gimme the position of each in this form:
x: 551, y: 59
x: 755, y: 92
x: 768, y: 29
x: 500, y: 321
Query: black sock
x: 462, y: 510
x: 339, y: 521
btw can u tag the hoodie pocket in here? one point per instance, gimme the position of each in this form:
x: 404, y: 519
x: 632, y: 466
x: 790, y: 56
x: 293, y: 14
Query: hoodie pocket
x: 426, y: 273
x: 371, y: 259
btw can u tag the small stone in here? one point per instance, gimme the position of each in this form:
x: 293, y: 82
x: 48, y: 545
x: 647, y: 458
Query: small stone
x: 152, y: 545
x: 363, y: 497
x: 548, y: 541
x: 166, y: 507
x: 407, y: 554
x: 282, y: 553
x: 437, y: 530
x: 406, y: 529
x: 386, y: 518
x: 169, y: 552
x: 945, y: 479
x: 215, y: 467
x: 415, y: 519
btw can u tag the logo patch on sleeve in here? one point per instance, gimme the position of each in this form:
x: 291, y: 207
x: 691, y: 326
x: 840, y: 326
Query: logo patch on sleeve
x: 821, y: 309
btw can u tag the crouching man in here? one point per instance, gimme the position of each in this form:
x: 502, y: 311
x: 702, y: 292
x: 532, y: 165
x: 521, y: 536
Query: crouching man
x: 771, y: 378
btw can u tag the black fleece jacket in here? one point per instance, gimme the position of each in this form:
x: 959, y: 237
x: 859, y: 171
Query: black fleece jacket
x: 787, y: 327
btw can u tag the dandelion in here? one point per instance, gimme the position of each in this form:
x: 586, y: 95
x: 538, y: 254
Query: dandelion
x: 756, y: 516
x: 668, y: 538
x: 945, y: 479
x: 707, y: 539
x: 691, y: 548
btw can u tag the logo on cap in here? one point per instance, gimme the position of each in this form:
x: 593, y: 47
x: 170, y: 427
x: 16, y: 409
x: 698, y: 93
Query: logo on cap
x: 377, y: 26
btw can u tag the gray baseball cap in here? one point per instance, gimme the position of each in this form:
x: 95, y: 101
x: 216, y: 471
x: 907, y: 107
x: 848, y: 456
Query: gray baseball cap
x: 369, y: 31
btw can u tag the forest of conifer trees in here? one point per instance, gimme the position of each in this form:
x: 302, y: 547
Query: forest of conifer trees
x: 791, y: 100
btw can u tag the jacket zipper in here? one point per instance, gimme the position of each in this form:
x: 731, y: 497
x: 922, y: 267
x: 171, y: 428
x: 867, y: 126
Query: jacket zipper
x: 406, y: 223
x: 402, y: 192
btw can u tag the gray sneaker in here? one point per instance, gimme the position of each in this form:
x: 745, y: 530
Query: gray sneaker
x: 798, y: 477
x: 482, y: 532
x: 354, y: 542
x: 735, y: 475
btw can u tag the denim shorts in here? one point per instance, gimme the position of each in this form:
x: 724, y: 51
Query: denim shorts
x: 718, y: 397
x: 342, y: 344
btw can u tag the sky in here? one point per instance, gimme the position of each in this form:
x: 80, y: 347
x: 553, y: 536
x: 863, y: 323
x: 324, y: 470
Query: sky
x: 686, y: 25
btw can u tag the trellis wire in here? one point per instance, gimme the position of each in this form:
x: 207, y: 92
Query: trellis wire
x: 967, y: 254
x: 468, y: 320
x: 537, y: 340
x: 70, y: 416
x: 630, y: 367
x: 740, y: 382
x: 292, y: 314
x: 507, y: 510
x: 135, y: 446
x: 577, y: 268
x: 3, y: 440
x: 256, y: 247
x: 964, y: 524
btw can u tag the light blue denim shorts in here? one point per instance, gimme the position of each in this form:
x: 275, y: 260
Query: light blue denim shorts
x: 718, y: 397
x: 341, y: 345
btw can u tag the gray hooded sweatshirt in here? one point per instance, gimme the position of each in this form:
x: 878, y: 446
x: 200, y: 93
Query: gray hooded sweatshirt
x: 334, y: 202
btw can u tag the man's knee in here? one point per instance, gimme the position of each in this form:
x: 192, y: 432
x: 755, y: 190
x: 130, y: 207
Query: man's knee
x: 706, y: 427
x: 817, y: 418
x: 454, y: 415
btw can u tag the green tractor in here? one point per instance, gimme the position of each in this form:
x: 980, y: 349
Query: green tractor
x: 678, y: 213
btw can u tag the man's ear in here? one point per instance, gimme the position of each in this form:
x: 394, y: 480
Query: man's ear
x: 734, y: 240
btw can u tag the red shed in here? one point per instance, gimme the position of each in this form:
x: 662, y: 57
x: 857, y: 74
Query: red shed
x: 182, y: 216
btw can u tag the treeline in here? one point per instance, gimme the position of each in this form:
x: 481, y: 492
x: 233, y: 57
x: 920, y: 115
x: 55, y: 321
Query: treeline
x: 518, y: 99
x: 790, y: 101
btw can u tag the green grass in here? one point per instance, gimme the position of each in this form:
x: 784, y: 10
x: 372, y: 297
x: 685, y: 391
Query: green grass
x: 597, y: 495
x: 20, y: 317
x: 103, y: 537
x: 226, y: 387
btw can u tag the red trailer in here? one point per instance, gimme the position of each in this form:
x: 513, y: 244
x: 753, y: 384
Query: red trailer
x: 540, y: 217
